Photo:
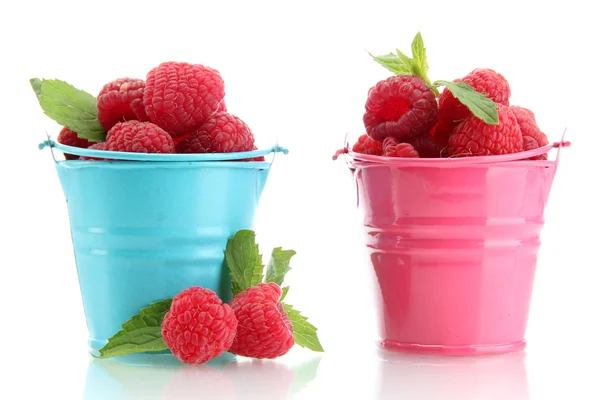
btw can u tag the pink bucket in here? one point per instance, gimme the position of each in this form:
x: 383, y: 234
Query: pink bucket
x: 453, y: 244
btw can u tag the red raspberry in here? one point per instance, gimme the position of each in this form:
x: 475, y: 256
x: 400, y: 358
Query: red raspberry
x: 393, y: 148
x: 366, y: 145
x: 198, y: 326
x: 473, y: 137
x: 139, y: 137
x: 70, y: 138
x: 452, y: 111
x: 261, y: 158
x: 426, y: 146
x: 533, y: 137
x: 121, y: 100
x: 402, y: 106
x: 264, y: 329
x: 97, y: 146
x: 221, y: 133
x: 180, y: 97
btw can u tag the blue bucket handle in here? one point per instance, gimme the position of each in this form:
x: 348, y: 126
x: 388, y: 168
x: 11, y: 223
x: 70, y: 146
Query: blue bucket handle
x: 128, y: 156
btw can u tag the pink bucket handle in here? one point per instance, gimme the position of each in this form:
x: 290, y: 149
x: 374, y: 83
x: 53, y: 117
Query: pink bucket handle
x: 524, y: 155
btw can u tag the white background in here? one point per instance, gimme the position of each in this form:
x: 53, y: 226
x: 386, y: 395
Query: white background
x: 298, y: 72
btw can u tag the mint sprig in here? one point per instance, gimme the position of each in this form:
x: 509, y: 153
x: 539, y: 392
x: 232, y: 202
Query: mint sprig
x: 244, y: 261
x: 69, y: 107
x: 399, y: 63
x: 480, y: 105
x: 305, y: 334
x: 142, y: 333
x: 242, y: 254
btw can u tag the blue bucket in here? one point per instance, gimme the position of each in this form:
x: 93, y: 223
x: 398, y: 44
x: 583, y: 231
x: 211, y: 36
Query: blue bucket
x: 144, y: 231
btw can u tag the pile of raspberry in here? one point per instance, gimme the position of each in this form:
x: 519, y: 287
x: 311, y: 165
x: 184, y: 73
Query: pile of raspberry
x: 179, y: 108
x: 199, y: 326
x: 404, y: 118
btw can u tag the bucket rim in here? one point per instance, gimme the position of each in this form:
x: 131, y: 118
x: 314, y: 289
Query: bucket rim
x: 160, y: 157
x: 521, y: 158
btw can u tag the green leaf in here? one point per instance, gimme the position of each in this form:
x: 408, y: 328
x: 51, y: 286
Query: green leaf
x: 36, y: 85
x: 284, y: 292
x: 279, y: 265
x: 419, y: 55
x: 305, y: 334
x: 393, y: 63
x: 142, y: 333
x: 244, y: 261
x: 406, y: 61
x: 480, y: 105
x: 70, y: 107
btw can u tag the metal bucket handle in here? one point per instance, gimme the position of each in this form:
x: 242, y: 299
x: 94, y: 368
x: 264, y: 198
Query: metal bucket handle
x: 128, y: 156
x: 522, y: 156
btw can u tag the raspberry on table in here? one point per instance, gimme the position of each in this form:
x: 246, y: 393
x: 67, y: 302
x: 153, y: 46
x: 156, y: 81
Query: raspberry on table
x: 70, y: 138
x: 533, y: 137
x: 452, y: 111
x: 120, y: 101
x: 139, y: 137
x: 401, y: 106
x: 180, y: 97
x: 393, y: 148
x: 221, y: 133
x: 473, y: 137
x: 198, y: 326
x: 366, y: 145
x: 264, y: 329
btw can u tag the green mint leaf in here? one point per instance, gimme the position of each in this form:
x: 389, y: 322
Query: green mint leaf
x: 284, y: 292
x: 406, y: 61
x: 244, y: 261
x: 419, y: 55
x: 393, y: 63
x: 142, y: 333
x: 70, y: 107
x: 36, y: 85
x: 305, y: 334
x: 279, y: 265
x: 480, y: 105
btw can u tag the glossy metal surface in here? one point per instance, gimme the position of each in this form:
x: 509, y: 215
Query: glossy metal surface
x: 143, y: 231
x: 453, y: 246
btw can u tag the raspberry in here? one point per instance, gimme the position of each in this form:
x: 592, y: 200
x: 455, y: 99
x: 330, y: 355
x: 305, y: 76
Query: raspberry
x: 533, y: 137
x: 260, y: 158
x: 452, y: 111
x: 121, y: 100
x: 139, y: 137
x: 198, y: 326
x: 366, y: 145
x: 393, y: 148
x: 473, y: 137
x: 264, y: 329
x: 97, y: 146
x: 70, y: 138
x: 180, y: 97
x: 426, y: 146
x: 221, y: 133
x: 402, y: 106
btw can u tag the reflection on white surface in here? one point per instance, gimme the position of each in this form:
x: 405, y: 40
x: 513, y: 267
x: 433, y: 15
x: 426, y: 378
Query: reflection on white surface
x: 407, y: 376
x: 226, y: 377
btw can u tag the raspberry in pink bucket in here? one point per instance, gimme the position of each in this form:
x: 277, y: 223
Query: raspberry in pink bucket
x: 452, y: 213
